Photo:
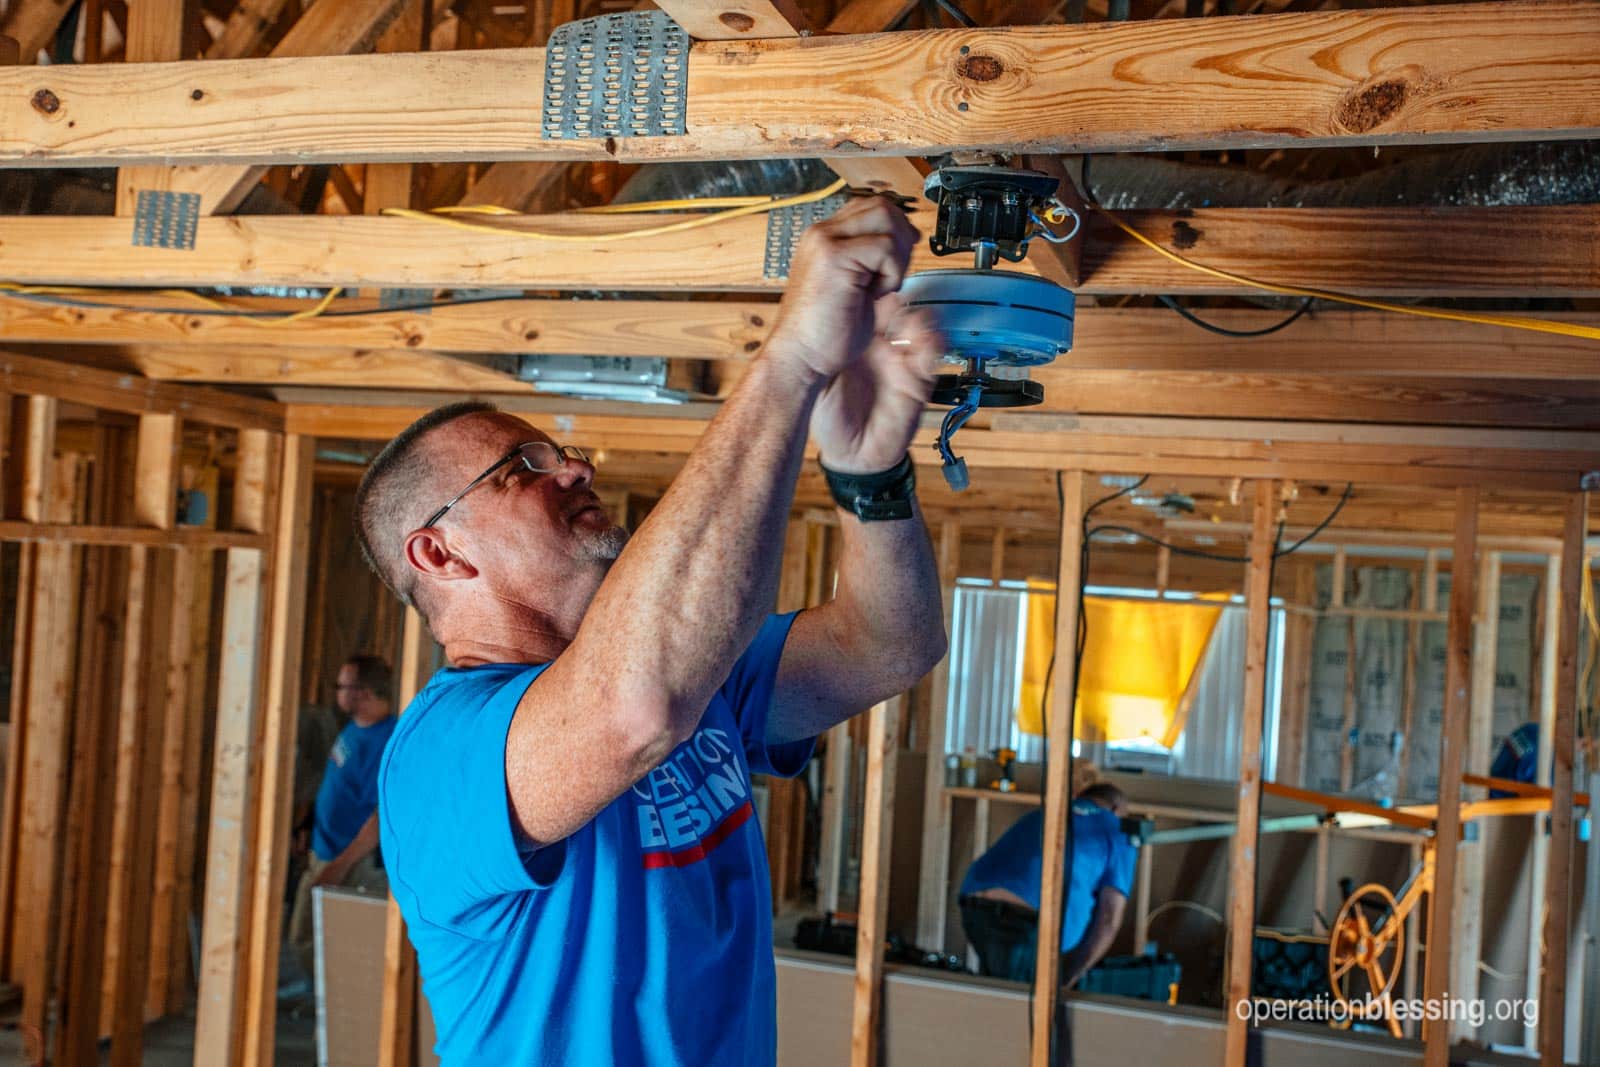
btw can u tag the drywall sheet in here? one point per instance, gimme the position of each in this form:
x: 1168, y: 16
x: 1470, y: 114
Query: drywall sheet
x: 350, y: 930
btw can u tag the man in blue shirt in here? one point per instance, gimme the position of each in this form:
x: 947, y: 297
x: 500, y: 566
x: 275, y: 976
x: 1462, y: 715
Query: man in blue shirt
x: 1000, y: 893
x: 344, y: 823
x: 566, y: 808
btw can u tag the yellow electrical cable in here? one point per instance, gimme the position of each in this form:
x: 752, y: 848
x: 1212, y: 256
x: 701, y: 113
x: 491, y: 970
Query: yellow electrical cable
x: 312, y: 312
x: 762, y: 206
x: 1513, y: 322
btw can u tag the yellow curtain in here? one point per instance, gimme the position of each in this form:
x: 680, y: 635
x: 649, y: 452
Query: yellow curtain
x: 1137, y: 665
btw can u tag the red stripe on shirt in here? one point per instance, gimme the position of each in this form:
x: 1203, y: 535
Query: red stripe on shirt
x: 696, y: 853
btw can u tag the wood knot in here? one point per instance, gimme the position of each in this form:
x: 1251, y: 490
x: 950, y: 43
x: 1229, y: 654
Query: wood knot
x: 198, y: 94
x: 46, y: 103
x: 1371, y: 106
x: 737, y: 21
x: 979, y: 68
x: 1184, y: 236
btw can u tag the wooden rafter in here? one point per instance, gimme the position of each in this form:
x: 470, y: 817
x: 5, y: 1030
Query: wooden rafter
x: 175, y: 346
x: 1480, y: 72
x: 1436, y: 457
x: 344, y: 26
x: 1543, y: 251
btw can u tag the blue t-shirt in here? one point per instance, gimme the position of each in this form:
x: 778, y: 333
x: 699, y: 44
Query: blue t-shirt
x: 1518, y: 758
x: 1101, y: 857
x: 645, y: 937
x: 349, y: 792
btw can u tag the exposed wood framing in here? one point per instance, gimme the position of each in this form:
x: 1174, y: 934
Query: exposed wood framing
x: 397, y: 1031
x: 933, y: 885
x: 883, y: 743
x: 1464, y: 73
x: 170, y: 900
x: 223, y: 979
x: 133, y: 395
x: 1548, y: 690
x: 1466, y: 935
x: 1243, y: 856
x: 1452, y: 754
x: 325, y: 29
x: 140, y: 739
x: 747, y: 20
x: 1544, y: 251
x: 32, y: 24
x: 1380, y: 454
x: 1057, y: 801
x: 1563, y: 741
x: 176, y: 346
x: 280, y: 717
x: 156, y: 32
x: 44, y: 739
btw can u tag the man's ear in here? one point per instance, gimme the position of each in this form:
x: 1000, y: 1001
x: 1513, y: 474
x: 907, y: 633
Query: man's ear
x: 427, y: 551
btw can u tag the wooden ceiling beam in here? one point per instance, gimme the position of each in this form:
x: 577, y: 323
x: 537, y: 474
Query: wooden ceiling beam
x: 1538, y: 251
x: 1331, y: 344
x: 738, y: 20
x: 1475, y: 72
x: 24, y: 374
x: 331, y: 27
x: 1419, y: 464
x: 33, y: 24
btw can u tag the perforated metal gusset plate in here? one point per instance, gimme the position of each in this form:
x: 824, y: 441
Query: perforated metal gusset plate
x: 621, y: 75
x: 784, y: 228
x: 165, y: 219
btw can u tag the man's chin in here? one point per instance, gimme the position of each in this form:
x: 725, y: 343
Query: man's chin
x: 607, y: 544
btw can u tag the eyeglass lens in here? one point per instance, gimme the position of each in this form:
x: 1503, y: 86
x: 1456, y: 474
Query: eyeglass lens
x: 544, y: 456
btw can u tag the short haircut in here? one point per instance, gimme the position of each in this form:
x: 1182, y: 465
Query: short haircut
x: 387, y: 501
x: 372, y: 673
x: 1105, y: 792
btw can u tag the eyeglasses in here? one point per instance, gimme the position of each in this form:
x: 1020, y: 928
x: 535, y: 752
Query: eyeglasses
x: 535, y: 456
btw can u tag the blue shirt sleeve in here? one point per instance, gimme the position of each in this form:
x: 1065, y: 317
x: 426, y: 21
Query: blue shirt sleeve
x: 446, y: 815
x: 748, y: 692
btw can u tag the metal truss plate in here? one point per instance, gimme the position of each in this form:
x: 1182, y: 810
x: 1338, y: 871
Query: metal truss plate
x: 622, y: 75
x: 165, y: 219
x: 784, y: 228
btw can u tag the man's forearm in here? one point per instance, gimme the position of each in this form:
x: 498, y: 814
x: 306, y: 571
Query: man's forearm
x: 888, y: 598
x: 1095, y: 944
x: 360, y: 847
x: 688, y: 594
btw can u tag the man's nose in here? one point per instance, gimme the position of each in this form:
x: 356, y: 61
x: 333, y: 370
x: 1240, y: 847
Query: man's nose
x: 575, y: 473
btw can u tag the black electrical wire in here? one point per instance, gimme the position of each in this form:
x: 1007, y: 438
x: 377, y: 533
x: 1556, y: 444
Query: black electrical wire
x: 950, y: 8
x: 1072, y: 714
x: 1082, y: 645
x: 1305, y: 306
x: 1218, y: 556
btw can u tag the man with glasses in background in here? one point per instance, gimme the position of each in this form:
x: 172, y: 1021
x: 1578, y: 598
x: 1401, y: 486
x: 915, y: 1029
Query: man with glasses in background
x: 566, y: 809
x: 344, y: 819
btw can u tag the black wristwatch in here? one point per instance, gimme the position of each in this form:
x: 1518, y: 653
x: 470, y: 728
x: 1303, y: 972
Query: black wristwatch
x: 879, y: 497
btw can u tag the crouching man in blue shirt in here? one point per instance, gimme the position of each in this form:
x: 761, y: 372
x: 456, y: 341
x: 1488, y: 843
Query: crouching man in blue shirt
x: 565, y: 809
x: 1000, y: 893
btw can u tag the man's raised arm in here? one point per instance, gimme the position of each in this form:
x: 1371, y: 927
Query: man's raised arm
x: 687, y: 595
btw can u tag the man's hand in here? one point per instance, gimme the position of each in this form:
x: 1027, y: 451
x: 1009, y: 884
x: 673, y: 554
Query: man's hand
x: 865, y: 419
x: 843, y: 265
x: 333, y: 874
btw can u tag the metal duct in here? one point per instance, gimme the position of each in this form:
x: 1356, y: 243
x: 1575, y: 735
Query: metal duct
x: 1489, y: 175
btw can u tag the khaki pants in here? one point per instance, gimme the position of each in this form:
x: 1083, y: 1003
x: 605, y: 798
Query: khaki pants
x: 366, y: 875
